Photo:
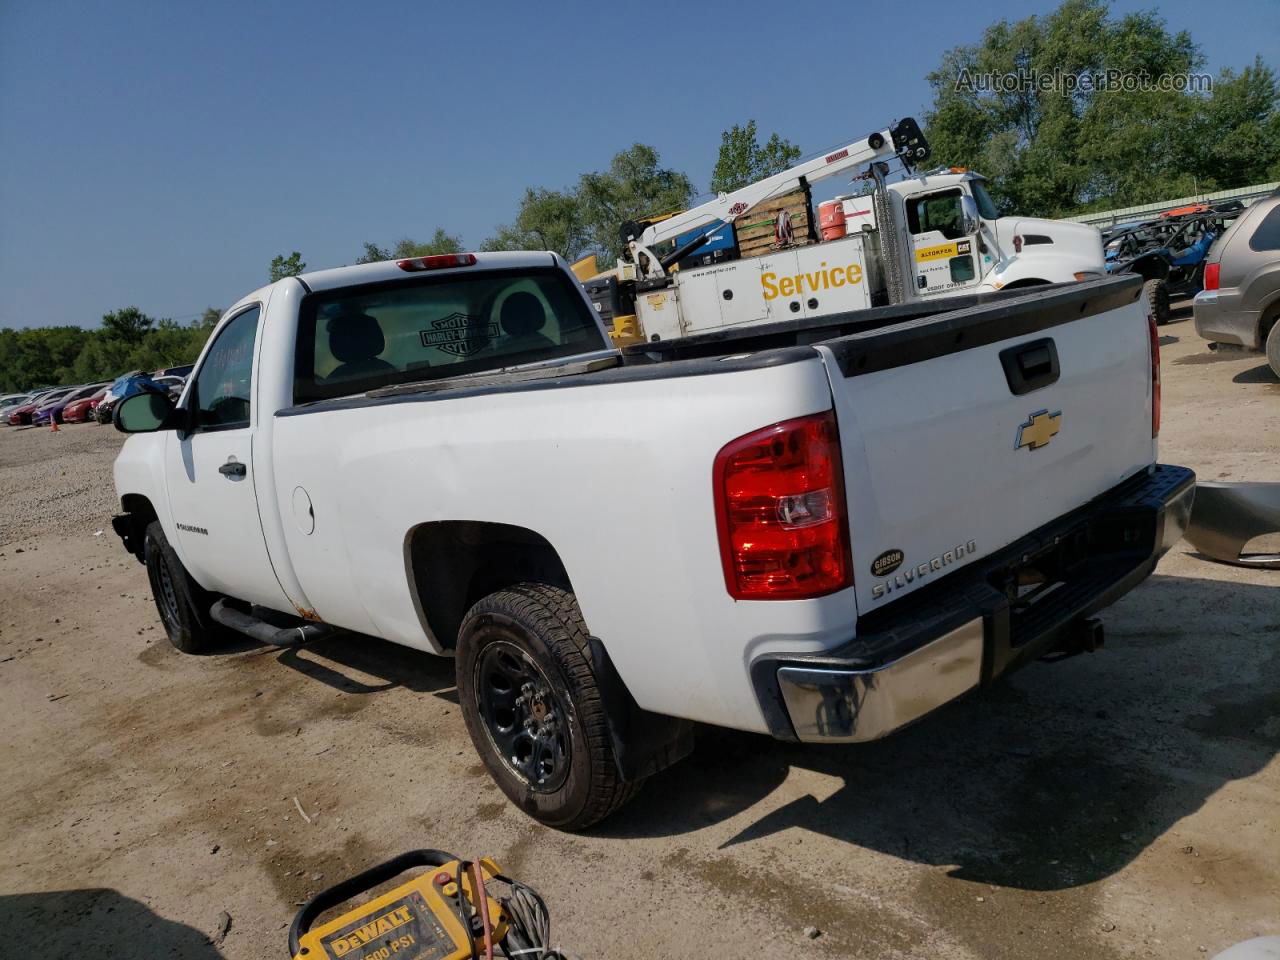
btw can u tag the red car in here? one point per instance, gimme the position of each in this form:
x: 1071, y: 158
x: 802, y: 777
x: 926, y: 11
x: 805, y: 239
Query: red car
x: 81, y: 410
x: 21, y: 416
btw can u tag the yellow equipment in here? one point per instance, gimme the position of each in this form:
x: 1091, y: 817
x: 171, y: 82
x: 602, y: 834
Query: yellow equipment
x: 449, y: 912
x: 603, y: 288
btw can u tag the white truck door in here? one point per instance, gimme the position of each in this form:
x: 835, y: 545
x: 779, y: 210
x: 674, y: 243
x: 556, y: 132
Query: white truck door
x: 943, y: 258
x: 210, y: 472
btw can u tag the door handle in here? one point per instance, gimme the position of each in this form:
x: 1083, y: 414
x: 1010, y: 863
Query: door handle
x: 233, y: 468
x: 1030, y: 366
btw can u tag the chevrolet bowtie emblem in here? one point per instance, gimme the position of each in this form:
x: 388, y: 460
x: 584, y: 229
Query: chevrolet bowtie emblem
x: 1039, y: 430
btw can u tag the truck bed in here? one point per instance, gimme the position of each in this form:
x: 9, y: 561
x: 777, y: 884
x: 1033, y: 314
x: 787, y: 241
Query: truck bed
x: 863, y: 341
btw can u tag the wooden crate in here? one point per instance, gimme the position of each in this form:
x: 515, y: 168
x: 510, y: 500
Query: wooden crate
x: 755, y: 230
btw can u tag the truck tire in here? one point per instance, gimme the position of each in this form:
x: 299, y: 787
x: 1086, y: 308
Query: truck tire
x: 176, y: 595
x: 533, y: 708
x: 1273, y: 348
x: 1157, y: 294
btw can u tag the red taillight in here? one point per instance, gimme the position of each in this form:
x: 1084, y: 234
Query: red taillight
x: 439, y: 261
x: 1155, y: 374
x: 1212, y: 273
x: 780, y: 511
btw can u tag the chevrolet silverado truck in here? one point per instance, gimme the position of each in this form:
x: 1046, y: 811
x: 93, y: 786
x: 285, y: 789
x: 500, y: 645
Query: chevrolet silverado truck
x: 821, y: 529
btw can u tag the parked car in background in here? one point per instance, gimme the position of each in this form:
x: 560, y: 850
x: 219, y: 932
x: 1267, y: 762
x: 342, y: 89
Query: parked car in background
x: 1240, y: 303
x: 124, y: 387
x: 11, y: 401
x: 183, y: 371
x: 22, y: 416
x: 52, y: 410
x: 172, y: 383
x: 81, y: 411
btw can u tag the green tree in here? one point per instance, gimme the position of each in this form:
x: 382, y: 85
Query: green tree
x: 635, y: 185
x: 743, y: 160
x: 588, y: 218
x: 1054, y: 151
x: 547, y: 220
x: 290, y: 266
x: 440, y: 242
x: 1236, y: 139
x: 208, y: 319
x: 128, y: 324
x: 101, y: 358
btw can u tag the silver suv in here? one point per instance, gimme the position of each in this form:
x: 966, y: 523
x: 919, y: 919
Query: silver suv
x: 1240, y: 302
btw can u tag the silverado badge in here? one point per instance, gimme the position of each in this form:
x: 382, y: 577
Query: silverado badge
x: 1039, y: 430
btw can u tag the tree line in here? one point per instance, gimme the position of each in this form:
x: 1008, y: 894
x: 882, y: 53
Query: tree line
x: 127, y: 340
x: 1049, y: 151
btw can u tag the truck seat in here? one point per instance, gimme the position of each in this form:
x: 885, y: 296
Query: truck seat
x: 523, y: 318
x: 356, y: 339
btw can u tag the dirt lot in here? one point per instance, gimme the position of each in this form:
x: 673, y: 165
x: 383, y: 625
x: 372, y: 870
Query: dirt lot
x: 1125, y: 804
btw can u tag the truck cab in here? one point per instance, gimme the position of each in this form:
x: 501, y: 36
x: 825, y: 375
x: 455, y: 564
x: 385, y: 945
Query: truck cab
x: 958, y: 242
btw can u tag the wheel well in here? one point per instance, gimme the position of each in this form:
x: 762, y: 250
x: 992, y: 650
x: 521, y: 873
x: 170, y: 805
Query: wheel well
x: 1150, y: 267
x: 1267, y: 321
x: 1024, y: 282
x: 132, y: 526
x: 453, y: 563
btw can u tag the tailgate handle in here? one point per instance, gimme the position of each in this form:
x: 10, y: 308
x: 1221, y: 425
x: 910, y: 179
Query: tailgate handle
x: 1030, y: 366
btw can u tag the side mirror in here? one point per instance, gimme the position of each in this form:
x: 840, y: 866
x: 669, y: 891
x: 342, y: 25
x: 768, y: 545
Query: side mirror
x: 146, y: 413
x: 969, y: 215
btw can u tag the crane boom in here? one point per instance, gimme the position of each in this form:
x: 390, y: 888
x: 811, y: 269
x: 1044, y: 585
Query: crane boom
x: 904, y: 140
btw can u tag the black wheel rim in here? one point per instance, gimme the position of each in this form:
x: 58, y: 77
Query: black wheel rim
x: 525, y: 720
x: 166, y: 596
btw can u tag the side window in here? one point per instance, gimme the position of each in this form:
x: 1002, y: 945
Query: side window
x: 224, y: 382
x: 1267, y: 234
x: 936, y: 211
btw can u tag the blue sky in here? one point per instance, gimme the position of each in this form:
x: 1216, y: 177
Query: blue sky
x: 160, y: 154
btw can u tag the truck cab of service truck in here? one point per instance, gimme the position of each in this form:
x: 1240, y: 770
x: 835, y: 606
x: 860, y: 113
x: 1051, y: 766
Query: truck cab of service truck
x: 957, y: 241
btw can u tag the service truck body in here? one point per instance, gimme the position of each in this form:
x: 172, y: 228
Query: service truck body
x: 950, y: 459
x: 941, y: 254
x: 926, y: 235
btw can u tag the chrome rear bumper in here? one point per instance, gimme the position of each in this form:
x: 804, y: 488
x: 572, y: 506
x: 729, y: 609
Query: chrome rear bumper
x: 855, y: 705
x: 939, y: 642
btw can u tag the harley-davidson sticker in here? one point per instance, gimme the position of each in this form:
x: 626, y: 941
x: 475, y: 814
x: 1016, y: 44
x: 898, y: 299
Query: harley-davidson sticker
x: 459, y: 334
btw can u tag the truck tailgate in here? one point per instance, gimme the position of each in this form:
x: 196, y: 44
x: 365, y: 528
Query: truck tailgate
x: 945, y: 463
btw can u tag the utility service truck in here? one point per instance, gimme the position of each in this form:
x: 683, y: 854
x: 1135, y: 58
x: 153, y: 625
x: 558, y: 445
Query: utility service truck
x: 758, y: 254
x: 821, y: 529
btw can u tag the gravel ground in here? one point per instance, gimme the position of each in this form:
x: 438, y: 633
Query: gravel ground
x: 1117, y: 805
x: 55, y: 484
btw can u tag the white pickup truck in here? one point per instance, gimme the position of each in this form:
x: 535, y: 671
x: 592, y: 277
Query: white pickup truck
x: 818, y: 529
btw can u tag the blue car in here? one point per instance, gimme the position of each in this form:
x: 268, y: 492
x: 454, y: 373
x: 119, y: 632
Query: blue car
x: 123, y: 388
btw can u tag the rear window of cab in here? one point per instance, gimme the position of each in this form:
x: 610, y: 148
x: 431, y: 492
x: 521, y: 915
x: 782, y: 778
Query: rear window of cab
x: 357, y: 339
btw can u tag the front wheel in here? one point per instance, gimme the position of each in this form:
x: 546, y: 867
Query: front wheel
x: 1157, y: 292
x: 177, y: 596
x: 533, y: 709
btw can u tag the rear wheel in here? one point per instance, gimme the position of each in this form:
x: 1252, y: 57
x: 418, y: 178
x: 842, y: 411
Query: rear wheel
x: 1157, y: 293
x: 1273, y: 348
x: 533, y: 709
x: 177, y: 595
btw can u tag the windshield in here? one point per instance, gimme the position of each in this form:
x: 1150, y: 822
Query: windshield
x: 986, y: 206
x: 362, y: 338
